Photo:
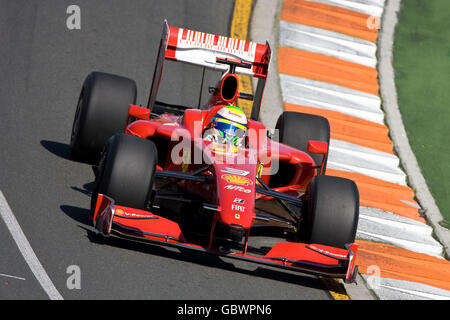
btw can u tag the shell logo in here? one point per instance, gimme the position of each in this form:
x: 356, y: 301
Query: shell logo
x: 243, y: 181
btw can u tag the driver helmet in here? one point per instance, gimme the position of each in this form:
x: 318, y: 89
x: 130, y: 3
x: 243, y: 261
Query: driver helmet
x: 228, y: 126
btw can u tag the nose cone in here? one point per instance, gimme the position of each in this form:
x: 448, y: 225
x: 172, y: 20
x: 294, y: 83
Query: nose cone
x: 236, y: 191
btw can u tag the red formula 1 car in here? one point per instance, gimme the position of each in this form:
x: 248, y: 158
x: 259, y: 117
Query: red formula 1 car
x: 208, y: 178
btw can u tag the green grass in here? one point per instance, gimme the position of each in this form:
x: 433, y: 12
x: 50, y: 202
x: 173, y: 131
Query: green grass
x: 422, y: 66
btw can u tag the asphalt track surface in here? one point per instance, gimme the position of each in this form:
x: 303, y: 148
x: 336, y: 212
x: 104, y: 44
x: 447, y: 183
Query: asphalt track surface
x: 42, y: 67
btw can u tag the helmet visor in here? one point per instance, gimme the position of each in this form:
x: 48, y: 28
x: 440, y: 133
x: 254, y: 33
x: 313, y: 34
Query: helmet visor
x: 230, y: 131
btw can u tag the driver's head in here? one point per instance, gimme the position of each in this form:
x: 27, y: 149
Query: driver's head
x: 228, y: 126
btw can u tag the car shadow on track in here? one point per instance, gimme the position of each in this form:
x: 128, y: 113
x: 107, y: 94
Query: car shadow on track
x: 57, y: 148
x: 81, y: 215
x: 62, y: 150
x: 86, y: 190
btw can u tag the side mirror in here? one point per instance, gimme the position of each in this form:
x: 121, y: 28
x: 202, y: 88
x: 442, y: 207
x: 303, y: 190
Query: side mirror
x: 138, y: 112
x: 319, y: 147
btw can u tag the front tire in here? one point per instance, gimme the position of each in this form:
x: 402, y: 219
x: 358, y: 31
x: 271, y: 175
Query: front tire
x: 126, y: 171
x: 331, y: 212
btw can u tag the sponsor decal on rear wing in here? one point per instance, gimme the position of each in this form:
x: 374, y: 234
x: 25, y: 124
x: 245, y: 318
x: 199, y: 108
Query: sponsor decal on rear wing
x: 203, y: 49
x: 211, y: 51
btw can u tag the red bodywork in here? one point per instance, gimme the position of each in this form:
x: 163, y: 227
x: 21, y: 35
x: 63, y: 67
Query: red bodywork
x: 233, y: 189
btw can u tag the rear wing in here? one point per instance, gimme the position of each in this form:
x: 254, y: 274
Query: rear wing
x: 203, y: 49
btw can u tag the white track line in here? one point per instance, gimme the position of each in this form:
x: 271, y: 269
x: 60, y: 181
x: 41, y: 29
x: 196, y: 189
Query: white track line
x: 328, y: 42
x: 373, y: 8
x: 9, y: 276
x: 26, y: 250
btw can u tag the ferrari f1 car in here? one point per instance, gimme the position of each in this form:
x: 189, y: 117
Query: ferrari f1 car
x: 208, y: 178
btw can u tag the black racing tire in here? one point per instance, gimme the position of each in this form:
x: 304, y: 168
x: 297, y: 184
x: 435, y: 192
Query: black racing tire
x: 296, y: 129
x: 126, y: 171
x: 102, y: 111
x: 331, y: 212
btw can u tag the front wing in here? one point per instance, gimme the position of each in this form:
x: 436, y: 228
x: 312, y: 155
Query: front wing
x: 144, y: 226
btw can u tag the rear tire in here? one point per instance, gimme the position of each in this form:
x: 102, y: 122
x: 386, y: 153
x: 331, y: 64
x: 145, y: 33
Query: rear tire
x: 331, y: 212
x: 126, y: 171
x: 102, y: 111
x: 296, y: 129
